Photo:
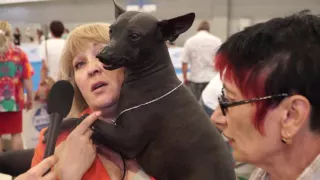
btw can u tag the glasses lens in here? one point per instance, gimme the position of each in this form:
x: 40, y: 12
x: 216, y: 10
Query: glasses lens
x: 222, y: 106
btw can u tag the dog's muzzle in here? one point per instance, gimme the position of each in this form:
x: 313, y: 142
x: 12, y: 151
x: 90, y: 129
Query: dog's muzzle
x: 111, y: 62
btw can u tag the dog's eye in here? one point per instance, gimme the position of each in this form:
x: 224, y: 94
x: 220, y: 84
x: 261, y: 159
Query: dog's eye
x: 110, y: 32
x: 134, y: 36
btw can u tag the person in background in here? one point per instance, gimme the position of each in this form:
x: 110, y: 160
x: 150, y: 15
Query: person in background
x: 43, y: 90
x: 78, y: 157
x: 66, y: 33
x: 269, y: 106
x: 40, y: 36
x: 29, y: 35
x: 170, y: 44
x: 17, y: 37
x: 51, y: 50
x: 198, y: 52
x: 15, y: 76
x: 210, y: 94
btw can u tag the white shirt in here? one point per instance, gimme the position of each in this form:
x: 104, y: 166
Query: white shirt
x: 54, y: 48
x: 199, y: 51
x: 211, y: 93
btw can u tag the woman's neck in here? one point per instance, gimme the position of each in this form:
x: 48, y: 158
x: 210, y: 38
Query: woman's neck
x: 291, y: 162
x: 107, y: 119
x: 108, y: 114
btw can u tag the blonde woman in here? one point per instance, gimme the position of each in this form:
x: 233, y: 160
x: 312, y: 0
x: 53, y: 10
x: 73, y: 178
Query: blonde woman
x: 96, y: 90
x: 15, y: 75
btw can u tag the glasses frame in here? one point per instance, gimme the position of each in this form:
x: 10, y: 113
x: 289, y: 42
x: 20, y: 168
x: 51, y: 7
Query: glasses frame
x: 224, y: 104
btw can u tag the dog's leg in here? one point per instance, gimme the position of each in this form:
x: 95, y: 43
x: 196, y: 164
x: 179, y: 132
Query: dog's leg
x: 128, y: 140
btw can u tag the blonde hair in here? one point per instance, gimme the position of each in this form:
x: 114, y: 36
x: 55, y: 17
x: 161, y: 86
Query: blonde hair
x: 77, y: 41
x: 5, y: 35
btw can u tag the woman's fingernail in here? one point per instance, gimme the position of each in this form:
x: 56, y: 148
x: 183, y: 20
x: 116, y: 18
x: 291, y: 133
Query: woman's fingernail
x: 98, y: 113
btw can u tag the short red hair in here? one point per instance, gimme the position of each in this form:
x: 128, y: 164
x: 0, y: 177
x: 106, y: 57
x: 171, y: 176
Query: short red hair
x: 250, y: 81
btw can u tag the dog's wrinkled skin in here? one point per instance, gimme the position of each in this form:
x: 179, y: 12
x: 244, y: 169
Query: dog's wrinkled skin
x: 172, y: 138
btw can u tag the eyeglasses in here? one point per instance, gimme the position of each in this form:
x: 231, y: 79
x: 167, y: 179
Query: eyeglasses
x: 225, y: 103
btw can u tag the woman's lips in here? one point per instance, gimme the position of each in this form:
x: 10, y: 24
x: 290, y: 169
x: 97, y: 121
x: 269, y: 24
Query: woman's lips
x: 98, y: 85
x: 225, y: 137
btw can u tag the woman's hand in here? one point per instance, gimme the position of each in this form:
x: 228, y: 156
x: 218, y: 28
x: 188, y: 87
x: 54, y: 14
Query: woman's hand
x: 77, y: 153
x: 37, y: 171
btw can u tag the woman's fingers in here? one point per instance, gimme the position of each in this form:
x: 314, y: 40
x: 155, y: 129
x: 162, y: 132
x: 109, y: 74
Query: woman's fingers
x: 88, y: 133
x: 85, y: 124
x: 50, y: 176
x: 44, y: 166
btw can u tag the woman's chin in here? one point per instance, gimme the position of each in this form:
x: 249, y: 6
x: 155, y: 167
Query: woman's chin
x: 102, y: 103
x: 238, y: 156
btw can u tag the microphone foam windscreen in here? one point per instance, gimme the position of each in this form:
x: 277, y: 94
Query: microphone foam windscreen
x: 60, y: 98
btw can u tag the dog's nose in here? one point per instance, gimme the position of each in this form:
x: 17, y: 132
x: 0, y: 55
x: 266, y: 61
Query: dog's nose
x: 104, y: 50
x: 104, y: 53
x: 107, y: 50
x: 109, y: 53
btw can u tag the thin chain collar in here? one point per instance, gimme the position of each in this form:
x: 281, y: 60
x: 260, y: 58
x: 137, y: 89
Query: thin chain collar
x: 146, y: 103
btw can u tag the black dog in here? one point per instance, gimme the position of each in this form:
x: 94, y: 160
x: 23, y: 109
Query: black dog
x: 160, y: 123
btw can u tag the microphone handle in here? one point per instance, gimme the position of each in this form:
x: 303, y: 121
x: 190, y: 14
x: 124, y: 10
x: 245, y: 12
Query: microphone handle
x: 53, y: 132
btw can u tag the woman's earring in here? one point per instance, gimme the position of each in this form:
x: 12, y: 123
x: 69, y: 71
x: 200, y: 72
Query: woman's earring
x: 286, y: 140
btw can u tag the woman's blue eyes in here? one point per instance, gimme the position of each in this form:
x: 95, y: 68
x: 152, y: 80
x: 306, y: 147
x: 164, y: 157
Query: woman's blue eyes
x: 79, y: 64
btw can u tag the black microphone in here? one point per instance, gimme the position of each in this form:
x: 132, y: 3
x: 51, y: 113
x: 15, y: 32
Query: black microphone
x: 59, y: 104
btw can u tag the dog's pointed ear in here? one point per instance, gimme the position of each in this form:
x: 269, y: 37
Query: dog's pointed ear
x: 118, y: 9
x: 170, y: 29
